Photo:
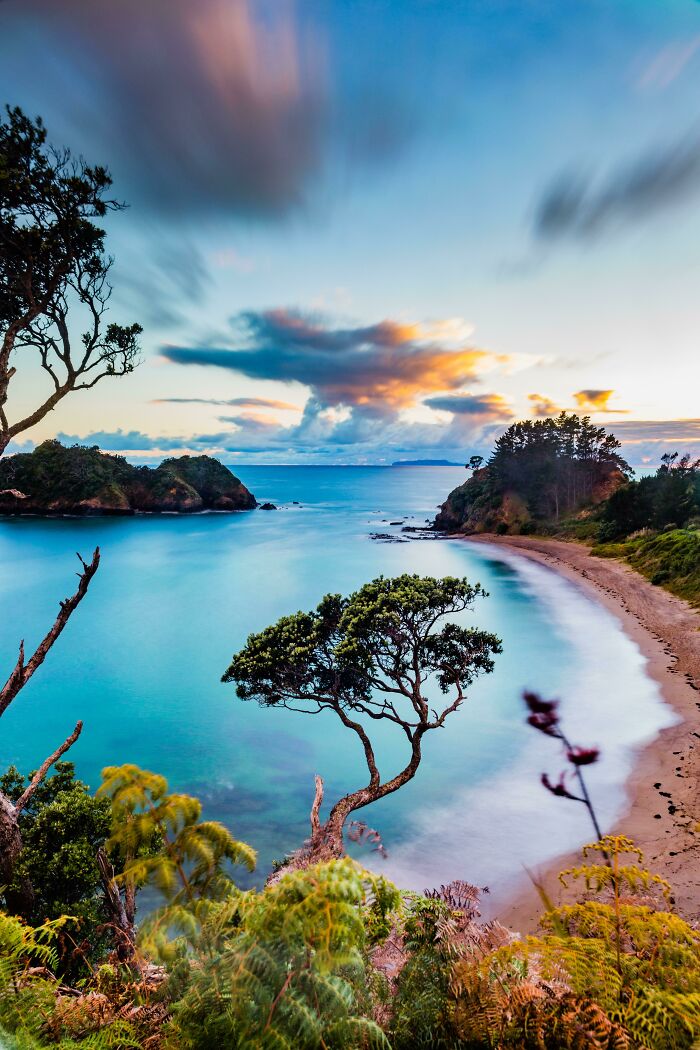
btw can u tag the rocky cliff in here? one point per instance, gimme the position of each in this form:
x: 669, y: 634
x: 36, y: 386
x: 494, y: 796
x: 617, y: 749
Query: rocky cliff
x: 484, y: 504
x: 55, y: 479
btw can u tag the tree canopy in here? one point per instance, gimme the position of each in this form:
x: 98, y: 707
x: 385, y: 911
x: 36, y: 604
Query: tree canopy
x: 671, y: 496
x: 555, y: 463
x: 52, y: 264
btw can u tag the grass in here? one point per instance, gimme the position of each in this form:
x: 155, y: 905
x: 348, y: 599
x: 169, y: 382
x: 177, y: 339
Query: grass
x: 668, y: 559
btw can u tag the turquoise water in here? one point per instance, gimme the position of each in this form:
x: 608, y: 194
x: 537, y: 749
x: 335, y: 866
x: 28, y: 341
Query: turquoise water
x: 175, y: 597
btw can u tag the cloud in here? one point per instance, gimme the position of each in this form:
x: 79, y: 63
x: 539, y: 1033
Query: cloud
x: 168, y: 275
x: 202, y: 106
x: 239, y: 402
x: 670, y: 431
x: 597, y: 400
x: 380, y: 368
x: 644, y: 441
x: 578, y: 206
x: 492, y: 405
x: 122, y: 441
x: 668, y: 64
x: 543, y: 406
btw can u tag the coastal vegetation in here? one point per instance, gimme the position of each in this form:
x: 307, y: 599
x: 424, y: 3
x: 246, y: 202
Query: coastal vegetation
x: 670, y: 559
x: 58, y: 479
x: 540, y: 472
x: 125, y: 924
x: 563, y: 478
x: 333, y: 956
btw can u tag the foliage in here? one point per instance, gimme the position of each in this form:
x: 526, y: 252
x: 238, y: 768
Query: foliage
x: 539, y: 470
x: 61, y: 829
x: 670, y: 497
x: 290, y: 969
x: 58, y: 478
x: 53, y: 263
x: 669, y: 559
x: 32, y: 1013
x: 607, y: 974
x: 189, y: 870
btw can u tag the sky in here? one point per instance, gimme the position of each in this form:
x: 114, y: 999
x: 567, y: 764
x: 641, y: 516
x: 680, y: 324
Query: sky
x: 361, y: 231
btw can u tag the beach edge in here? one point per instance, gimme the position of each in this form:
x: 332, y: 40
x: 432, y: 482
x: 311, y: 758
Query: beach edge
x: 662, y: 790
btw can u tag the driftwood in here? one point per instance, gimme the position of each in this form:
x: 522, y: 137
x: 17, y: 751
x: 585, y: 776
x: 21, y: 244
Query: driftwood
x: 20, y: 898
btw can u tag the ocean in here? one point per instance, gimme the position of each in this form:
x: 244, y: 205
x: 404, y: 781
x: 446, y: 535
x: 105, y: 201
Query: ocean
x: 141, y: 661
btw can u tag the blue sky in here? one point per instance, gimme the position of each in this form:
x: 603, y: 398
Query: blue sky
x: 367, y: 231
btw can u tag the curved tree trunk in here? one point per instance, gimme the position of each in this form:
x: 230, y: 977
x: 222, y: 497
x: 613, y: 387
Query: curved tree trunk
x: 327, y: 839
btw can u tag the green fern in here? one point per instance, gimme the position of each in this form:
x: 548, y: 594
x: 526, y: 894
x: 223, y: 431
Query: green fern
x: 290, y: 969
x: 614, y: 973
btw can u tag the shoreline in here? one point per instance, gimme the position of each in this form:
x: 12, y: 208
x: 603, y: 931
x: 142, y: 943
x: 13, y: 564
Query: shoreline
x: 663, y: 789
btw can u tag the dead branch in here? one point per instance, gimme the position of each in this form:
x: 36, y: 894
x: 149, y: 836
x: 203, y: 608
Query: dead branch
x: 25, y: 798
x: 22, y: 670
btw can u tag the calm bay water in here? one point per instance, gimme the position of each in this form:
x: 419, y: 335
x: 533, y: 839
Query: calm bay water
x: 175, y: 597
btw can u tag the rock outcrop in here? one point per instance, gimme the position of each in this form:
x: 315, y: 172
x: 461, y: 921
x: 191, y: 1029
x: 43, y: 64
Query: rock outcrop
x: 54, y: 480
x: 481, y: 504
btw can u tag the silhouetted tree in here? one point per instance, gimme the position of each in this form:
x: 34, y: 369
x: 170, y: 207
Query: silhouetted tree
x: 554, y: 464
x: 671, y: 496
x: 52, y: 263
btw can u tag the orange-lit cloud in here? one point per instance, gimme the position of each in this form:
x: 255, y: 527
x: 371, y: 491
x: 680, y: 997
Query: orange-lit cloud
x: 543, y: 406
x: 596, y: 401
x: 381, y: 368
x: 485, y: 406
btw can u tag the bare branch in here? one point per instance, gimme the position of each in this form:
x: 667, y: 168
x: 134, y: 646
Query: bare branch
x: 24, y: 799
x: 22, y: 671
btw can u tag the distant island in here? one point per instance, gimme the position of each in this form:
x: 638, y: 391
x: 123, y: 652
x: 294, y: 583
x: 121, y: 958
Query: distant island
x: 425, y: 463
x: 54, y: 480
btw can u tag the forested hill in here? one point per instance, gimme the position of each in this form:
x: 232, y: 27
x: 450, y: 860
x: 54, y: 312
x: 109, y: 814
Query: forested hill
x: 55, y: 479
x: 540, y: 471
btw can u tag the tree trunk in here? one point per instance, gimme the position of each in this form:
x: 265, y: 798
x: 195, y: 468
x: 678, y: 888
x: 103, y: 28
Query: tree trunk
x: 20, y: 898
x: 327, y: 839
x: 121, y: 921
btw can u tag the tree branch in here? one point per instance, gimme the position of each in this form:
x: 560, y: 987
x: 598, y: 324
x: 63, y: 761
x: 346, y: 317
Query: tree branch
x: 22, y: 671
x: 25, y: 798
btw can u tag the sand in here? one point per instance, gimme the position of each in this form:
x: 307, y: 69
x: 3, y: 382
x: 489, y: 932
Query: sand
x: 663, y: 791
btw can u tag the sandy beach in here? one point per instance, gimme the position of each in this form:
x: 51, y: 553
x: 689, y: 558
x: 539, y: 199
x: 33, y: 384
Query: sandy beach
x: 664, y: 789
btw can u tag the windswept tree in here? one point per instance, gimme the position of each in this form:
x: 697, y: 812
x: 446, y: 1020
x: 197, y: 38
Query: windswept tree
x: 53, y: 270
x: 382, y: 654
